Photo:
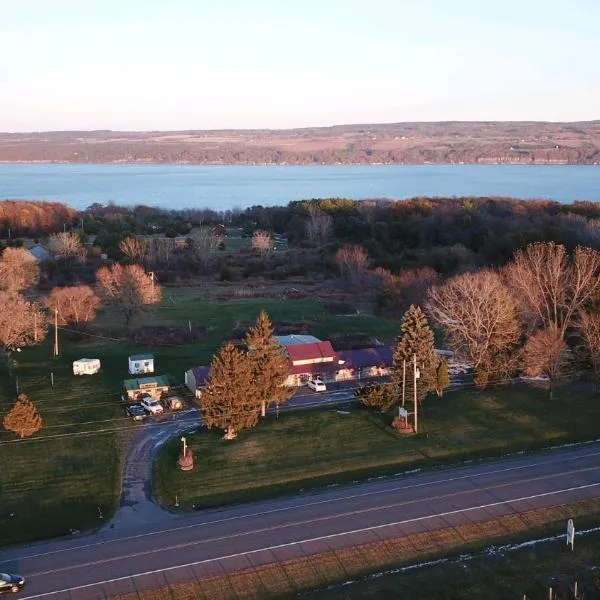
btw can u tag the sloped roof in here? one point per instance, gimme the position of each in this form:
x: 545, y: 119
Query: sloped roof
x: 379, y: 356
x: 297, y: 352
x: 135, y: 357
x: 201, y: 375
x: 135, y: 384
x: 295, y: 339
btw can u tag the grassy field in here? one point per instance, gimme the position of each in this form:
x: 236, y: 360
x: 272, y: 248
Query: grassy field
x: 68, y: 474
x: 311, y: 448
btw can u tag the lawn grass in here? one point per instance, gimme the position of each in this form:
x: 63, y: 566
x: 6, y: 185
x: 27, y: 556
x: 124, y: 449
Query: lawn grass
x: 50, y: 486
x: 311, y: 448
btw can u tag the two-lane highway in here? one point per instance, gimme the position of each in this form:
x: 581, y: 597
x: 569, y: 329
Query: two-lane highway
x: 216, y: 541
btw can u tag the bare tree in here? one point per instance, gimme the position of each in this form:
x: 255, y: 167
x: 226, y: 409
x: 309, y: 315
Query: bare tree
x: 551, y: 287
x: 352, y: 262
x: 66, y: 245
x: 262, y: 241
x: 76, y: 304
x: 589, y: 329
x: 128, y: 288
x: 478, y: 313
x: 19, y: 270
x: 202, y: 242
x: 319, y: 225
x: 135, y: 249
x: 22, y: 323
x: 23, y: 418
x: 546, y: 353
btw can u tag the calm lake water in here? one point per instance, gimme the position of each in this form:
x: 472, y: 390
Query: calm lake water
x: 227, y: 187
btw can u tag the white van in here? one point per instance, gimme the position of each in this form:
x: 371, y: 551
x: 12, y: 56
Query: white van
x: 317, y: 384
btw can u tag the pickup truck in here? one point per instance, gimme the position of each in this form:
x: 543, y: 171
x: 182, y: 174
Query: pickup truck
x: 153, y: 406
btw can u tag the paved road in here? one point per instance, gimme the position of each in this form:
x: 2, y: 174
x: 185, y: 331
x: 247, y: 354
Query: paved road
x: 125, y: 559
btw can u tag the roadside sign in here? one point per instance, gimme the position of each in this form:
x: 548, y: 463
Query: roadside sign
x: 571, y: 534
x: 402, y: 412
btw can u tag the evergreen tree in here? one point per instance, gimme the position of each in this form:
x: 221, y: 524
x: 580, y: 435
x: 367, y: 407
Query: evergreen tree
x: 23, y: 418
x: 416, y: 337
x: 228, y: 401
x: 269, y: 365
x: 442, y: 377
x: 379, y: 397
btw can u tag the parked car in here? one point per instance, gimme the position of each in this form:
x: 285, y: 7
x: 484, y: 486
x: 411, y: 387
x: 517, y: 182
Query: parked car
x: 136, y: 412
x: 172, y: 403
x: 317, y: 384
x: 153, y: 406
x: 11, y: 582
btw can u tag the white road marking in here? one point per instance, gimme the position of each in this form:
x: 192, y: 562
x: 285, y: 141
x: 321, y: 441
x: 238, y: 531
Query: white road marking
x: 309, y: 540
x: 308, y: 504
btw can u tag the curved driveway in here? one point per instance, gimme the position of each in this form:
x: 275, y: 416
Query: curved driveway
x: 215, y: 541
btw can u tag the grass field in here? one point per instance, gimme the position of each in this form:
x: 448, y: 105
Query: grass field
x: 312, y: 448
x: 55, y: 482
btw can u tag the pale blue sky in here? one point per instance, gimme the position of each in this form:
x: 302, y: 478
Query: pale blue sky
x: 209, y: 64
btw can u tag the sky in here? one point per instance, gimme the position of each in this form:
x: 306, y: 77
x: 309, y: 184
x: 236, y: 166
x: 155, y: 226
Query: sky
x: 213, y: 64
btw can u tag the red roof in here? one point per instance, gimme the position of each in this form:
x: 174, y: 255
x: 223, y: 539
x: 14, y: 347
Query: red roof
x: 314, y: 351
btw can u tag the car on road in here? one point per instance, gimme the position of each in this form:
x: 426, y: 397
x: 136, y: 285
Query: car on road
x: 152, y: 405
x: 317, y: 384
x: 11, y: 583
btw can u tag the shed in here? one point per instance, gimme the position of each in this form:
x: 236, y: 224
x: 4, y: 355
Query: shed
x: 195, y: 379
x: 86, y: 366
x: 157, y: 387
x: 141, y: 363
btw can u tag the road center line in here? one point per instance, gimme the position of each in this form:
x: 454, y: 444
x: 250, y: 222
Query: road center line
x: 309, y: 540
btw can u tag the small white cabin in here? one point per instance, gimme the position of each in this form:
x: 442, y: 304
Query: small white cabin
x: 141, y: 363
x: 86, y: 366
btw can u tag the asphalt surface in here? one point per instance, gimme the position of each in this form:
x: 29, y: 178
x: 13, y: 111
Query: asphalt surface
x: 139, y: 556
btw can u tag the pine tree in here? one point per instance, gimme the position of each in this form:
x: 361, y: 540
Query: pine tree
x: 442, y: 377
x: 23, y: 418
x: 228, y: 402
x: 269, y: 365
x: 378, y: 397
x: 416, y: 337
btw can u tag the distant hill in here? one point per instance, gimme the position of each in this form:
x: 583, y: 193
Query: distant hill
x: 519, y: 142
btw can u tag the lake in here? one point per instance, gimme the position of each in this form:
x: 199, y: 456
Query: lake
x: 228, y: 187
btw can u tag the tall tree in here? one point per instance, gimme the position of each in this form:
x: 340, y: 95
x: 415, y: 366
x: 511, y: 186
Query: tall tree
x: 442, y: 379
x: 19, y: 270
x: 128, y: 288
x: 262, y: 241
x: 66, y: 245
x: 135, y: 249
x: 352, y: 262
x: 416, y: 338
x: 546, y: 353
x: 228, y: 401
x: 22, y: 323
x: 589, y: 329
x: 478, y: 314
x: 552, y: 287
x: 319, y: 225
x: 269, y: 365
x: 23, y: 418
x: 75, y: 304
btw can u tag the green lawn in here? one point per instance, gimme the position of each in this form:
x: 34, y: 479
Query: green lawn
x: 312, y: 448
x: 51, y: 485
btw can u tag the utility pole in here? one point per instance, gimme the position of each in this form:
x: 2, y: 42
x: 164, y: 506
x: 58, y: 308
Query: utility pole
x: 403, y: 380
x: 152, y: 281
x: 416, y: 375
x: 35, y: 326
x: 55, y: 331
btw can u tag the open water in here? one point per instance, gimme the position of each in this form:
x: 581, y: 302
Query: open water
x: 228, y: 187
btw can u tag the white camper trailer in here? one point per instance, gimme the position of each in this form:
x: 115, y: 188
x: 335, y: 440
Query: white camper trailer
x: 141, y: 363
x: 86, y: 366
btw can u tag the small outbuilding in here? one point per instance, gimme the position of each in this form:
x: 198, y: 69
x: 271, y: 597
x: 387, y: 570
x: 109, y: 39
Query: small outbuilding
x: 134, y: 389
x: 141, y: 363
x: 196, y: 379
x: 86, y: 366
